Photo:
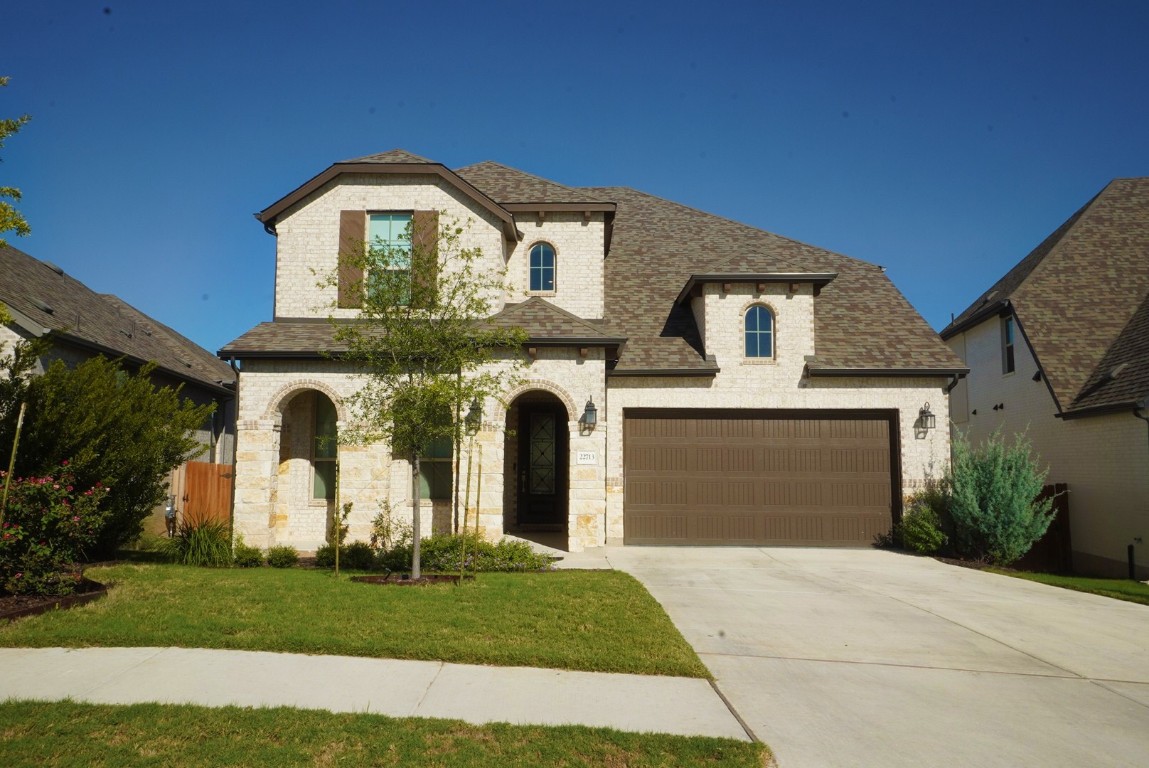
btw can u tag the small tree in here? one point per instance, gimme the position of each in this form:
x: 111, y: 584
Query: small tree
x: 10, y: 218
x: 994, y: 503
x: 421, y: 343
x: 113, y: 427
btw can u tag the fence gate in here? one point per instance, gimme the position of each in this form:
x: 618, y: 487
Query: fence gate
x: 206, y: 492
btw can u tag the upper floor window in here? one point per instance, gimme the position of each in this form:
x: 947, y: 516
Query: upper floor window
x: 759, y: 332
x: 1007, y: 346
x: 389, y: 237
x: 542, y: 267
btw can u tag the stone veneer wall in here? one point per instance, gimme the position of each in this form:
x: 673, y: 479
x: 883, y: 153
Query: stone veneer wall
x: 579, y: 245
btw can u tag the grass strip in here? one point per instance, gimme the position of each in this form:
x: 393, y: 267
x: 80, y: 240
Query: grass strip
x: 66, y: 734
x: 1119, y: 589
x: 598, y: 621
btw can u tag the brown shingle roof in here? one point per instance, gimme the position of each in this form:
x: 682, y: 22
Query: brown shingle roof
x: 391, y: 156
x: 861, y: 320
x: 1080, y: 298
x: 50, y: 301
x: 544, y: 321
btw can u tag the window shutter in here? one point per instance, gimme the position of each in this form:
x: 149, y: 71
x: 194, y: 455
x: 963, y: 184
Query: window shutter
x: 424, y: 257
x: 352, y: 231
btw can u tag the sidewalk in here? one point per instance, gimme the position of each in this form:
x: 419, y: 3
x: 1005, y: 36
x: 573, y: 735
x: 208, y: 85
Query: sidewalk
x: 475, y: 694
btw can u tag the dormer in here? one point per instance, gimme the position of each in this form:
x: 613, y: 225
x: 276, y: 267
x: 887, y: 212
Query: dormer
x: 755, y: 318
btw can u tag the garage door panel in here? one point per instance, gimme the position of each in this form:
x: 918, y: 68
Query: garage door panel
x: 712, y: 479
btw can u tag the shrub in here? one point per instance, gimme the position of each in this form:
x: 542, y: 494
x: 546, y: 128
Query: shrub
x: 205, y: 543
x: 245, y: 555
x: 921, y: 530
x: 357, y: 556
x: 993, y: 500
x: 115, y: 427
x: 325, y: 556
x: 46, y: 526
x: 452, y: 552
x: 282, y: 556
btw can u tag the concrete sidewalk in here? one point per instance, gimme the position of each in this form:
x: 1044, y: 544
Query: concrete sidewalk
x: 475, y: 694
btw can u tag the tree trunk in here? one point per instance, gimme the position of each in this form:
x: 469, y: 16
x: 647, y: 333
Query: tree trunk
x: 415, y: 533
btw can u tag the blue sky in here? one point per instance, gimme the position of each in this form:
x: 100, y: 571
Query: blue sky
x: 941, y: 140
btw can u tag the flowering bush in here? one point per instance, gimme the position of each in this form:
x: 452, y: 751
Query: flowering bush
x: 46, y: 526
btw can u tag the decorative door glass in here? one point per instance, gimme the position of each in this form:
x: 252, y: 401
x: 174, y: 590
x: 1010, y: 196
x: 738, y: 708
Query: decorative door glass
x: 541, y: 478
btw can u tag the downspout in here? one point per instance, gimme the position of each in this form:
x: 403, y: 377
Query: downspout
x: 234, y: 445
x: 1141, y: 411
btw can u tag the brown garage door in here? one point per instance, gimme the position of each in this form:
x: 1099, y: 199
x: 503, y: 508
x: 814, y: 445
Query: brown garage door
x: 822, y: 478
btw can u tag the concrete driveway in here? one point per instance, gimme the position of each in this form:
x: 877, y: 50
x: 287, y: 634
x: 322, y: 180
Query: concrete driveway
x: 870, y: 658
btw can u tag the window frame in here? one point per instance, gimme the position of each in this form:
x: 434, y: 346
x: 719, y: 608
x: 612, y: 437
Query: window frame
x: 553, y: 268
x: 397, y: 242
x: 1008, y: 345
x: 436, y: 468
x: 771, y: 333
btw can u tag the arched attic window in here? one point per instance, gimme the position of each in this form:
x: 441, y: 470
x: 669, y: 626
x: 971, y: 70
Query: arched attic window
x: 759, y: 332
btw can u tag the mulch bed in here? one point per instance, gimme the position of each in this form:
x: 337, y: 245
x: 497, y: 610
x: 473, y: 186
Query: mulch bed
x: 17, y: 606
x: 405, y: 580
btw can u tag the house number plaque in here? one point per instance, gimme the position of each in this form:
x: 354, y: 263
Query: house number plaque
x: 586, y: 457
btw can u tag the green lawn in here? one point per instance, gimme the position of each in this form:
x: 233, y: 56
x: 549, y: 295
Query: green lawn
x: 600, y: 621
x: 69, y: 734
x: 1121, y: 589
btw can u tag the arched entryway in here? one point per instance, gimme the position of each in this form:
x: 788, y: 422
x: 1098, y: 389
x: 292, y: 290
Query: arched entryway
x: 307, y: 471
x: 537, y: 469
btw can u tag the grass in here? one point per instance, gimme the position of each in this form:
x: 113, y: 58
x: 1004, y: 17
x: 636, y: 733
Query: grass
x: 599, y: 621
x: 1120, y: 589
x: 67, y: 734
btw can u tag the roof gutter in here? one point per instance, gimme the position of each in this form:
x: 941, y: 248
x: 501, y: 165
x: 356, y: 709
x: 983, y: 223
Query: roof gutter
x: 955, y: 372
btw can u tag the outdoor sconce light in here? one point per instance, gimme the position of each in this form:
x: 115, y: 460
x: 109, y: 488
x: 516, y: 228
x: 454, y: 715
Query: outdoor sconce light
x: 474, y: 417
x: 589, y: 416
x: 926, y: 418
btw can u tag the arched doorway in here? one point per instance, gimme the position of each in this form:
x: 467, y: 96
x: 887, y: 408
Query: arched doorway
x: 537, y: 469
x: 306, y: 476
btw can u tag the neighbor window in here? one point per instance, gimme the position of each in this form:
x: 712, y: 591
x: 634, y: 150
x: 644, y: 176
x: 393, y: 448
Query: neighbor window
x: 388, y: 235
x: 1007, y: 337
x: 759, y: 332
x: 542, y: 267
x: 435, y: 471
x: 324, y: 449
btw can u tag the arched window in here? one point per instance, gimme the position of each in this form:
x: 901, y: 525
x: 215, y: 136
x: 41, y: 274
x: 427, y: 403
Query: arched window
x: 542, y: 267
x: 759, y: 332
x: 324, y: 448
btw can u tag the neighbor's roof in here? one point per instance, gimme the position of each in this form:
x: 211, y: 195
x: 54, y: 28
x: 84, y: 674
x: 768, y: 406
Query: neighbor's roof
x: 863, y: 324
x: 1081, y: 299
x: 45, y: 300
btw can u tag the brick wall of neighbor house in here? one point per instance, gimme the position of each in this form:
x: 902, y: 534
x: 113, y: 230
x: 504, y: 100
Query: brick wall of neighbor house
x: 1103, y: 459
x: 307, y: 244
x: 273, y: 504
x: 579, y: 245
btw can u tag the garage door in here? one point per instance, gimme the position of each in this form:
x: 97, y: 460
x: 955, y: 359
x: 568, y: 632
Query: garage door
x: 817, y: 478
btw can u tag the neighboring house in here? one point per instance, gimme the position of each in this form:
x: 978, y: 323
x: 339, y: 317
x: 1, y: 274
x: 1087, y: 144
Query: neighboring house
x: 79, y: 323
x: 1059, y: 349
x: 748, y: 389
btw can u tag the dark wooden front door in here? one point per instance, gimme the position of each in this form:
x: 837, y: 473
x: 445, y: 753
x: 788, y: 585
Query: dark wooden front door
x: 542, y: 466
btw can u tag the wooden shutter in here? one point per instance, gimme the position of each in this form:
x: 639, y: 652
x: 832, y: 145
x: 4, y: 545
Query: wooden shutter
x: 424, y: 257
x: 352, y: 234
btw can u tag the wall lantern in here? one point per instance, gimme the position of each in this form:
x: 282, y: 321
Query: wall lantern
x: 589, y: 416
x: 473, y: 418
x: 926, y: 418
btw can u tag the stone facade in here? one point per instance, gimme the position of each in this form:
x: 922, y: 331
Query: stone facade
x: 1102, y: 458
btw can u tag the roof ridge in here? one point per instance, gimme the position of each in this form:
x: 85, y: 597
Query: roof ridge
x: 521, y: 172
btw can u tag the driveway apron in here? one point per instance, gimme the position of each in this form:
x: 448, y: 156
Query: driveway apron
x: 853, y: 657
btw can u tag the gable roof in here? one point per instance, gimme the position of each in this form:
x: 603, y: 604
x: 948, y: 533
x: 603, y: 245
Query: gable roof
x: 547, y: 324
x: 46, y: 300
x: 396, y: 161
x: 1080, y: 299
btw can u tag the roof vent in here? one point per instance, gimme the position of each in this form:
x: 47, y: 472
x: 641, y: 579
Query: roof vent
x: 42, y: 305
x: 53, y: 267
x: 1117, y: 370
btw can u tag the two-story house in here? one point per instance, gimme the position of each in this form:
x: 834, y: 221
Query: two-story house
x: 1058, y: 349
x: 688, y: 379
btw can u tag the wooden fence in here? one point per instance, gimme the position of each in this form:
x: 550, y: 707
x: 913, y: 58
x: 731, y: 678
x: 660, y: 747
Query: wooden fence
x: 1053, y: 553
x: 203, y: 491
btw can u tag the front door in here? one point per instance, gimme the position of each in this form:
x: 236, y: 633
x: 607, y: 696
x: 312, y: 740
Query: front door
x: 542, y: 466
